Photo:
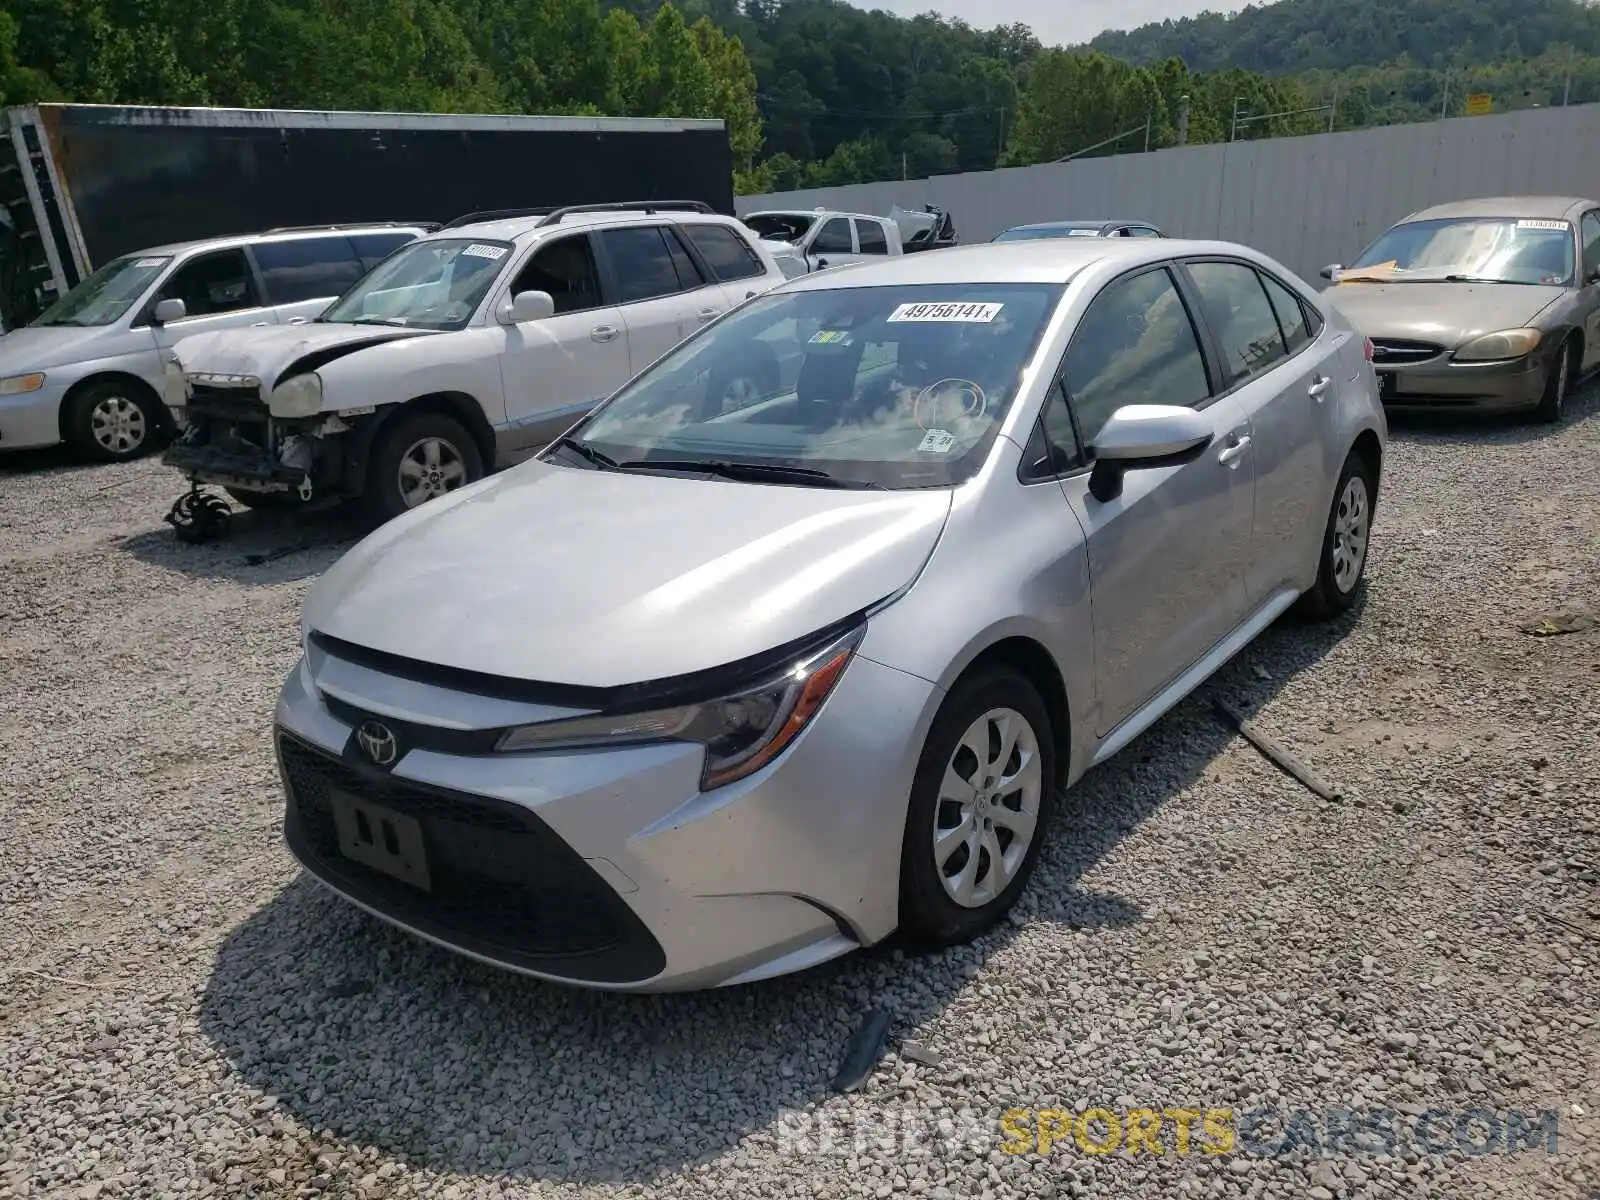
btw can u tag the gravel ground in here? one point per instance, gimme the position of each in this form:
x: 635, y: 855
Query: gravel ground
x: 181, y: 1014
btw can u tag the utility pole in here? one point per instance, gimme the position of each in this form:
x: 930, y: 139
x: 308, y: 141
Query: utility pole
x: 1444, y: 105
x: 1000, y: 149
x: 1183, y: 120
x: 1147, y: 135
x: 1333, y: 109
x: 1233, y: 134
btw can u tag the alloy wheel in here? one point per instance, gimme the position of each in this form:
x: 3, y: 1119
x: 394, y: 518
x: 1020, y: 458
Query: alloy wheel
x: 987, y: 812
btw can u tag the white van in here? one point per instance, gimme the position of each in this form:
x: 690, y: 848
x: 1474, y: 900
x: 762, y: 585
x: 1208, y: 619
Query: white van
x: 89, y: 370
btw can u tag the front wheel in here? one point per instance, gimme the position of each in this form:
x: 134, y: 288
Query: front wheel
x: 1553, y: 402
x: 982, y: 794
x: 418, y: 457
x: 1344, y: 542
x: 111, y: 421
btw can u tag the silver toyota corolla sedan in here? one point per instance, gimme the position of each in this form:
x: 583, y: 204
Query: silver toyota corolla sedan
x: 708, y: 692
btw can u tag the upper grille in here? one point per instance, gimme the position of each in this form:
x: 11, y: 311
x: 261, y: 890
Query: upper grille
x: 1398, y: 352
x: 226, y: 401
x: 503, y: 884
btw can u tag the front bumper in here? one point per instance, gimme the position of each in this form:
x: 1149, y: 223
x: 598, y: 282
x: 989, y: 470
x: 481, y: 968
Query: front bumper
x: 250, y: 472
x: 32, y: 419
x: 610, y: 869
x: 1439, y: 385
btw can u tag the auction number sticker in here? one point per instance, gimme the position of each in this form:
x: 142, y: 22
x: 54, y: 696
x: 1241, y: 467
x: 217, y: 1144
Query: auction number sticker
x: 1530, y: 224
x: 147, y: 264
x: 479, y: 250
x: 961, y: 313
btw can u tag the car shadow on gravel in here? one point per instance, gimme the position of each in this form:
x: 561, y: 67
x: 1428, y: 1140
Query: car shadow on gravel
x: 398, y: 1050
x: 259, y: 547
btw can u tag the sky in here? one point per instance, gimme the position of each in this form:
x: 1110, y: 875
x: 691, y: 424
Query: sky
x: 1057, y: 22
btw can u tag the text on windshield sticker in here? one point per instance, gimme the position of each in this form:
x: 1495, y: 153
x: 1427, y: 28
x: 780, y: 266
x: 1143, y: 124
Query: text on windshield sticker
x: 477, y: 250
x: 972, y: 313
x: 1541, y: 224
x: 831, y: 337
x: 936, y: 441
x: 147, y: 264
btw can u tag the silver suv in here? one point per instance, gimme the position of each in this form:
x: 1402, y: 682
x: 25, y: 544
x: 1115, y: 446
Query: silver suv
x: 89, y: 370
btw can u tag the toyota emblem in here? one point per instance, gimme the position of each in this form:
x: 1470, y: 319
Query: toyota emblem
x: 378, y: 743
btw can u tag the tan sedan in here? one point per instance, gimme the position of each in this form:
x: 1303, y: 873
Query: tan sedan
x: 1489, y: 304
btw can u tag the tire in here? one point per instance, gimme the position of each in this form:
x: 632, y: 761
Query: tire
x: 455, y: 462
x: 1343, y: 563
x: 930, y: 914
x: 1553, y: 403
x: 112, y: 421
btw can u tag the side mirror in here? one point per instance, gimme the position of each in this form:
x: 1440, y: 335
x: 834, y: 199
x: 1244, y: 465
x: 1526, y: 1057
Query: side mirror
x: 1142, y: 436
x: 1329, y: 271
x: 530, y: 306
x: 168, y: 311
x: 822, y: 264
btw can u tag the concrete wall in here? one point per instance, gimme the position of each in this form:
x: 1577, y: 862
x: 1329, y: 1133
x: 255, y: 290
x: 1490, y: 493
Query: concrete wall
x: 1307, y: 201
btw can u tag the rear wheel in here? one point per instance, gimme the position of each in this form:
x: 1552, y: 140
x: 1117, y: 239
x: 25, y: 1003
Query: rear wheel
x: 982, y: 794
x: 1344, y: 542
x: 418, y: 457
x: 1553, y: 403
x: 112, y: 421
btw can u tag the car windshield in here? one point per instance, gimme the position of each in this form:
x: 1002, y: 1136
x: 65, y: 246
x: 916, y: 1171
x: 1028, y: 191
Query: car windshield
x: 894, y: 387
x: 1468, y: 249
x: 784, y: 227
x: 436, y: 283
x: 105, y: 296
x: 1037, y: 233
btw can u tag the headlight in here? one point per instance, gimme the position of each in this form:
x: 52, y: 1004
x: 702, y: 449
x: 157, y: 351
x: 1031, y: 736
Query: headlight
x: 742, y: 732
x: 1508, y: 343
x: 300, y: 396
x: 16, y: 385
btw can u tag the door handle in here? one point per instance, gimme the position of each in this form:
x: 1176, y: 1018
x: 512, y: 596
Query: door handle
x: 1318, y: 386
x: 603, y: 333
x: 293, y: 321
x: 708, y: 314
x: 259, y: 324
x: 1234, y: 451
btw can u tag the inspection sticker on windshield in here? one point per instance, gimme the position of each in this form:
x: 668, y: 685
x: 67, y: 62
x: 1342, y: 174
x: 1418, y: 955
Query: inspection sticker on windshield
x: 478, y: 250
x: 1531, y: 224
x: 936, y: 441
x: 831, y: 337
x: 976, y: 314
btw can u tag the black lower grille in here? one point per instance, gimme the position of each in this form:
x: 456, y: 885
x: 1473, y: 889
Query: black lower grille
x: 238, y: 403
x: 502, y: 884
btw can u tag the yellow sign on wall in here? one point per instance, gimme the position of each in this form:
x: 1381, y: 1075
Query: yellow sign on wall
x: 1479, y: 103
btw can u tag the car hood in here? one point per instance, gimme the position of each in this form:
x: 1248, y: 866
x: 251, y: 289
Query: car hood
x: 601, y: 578
x: 267, y: 352
x: 40, y: 347
x: 1446, y: 313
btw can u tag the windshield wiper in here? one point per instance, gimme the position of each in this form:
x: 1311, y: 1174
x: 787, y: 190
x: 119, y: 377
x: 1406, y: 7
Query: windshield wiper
x: 586, y: 451
x: 1486, y: 279
x: 748, y: 472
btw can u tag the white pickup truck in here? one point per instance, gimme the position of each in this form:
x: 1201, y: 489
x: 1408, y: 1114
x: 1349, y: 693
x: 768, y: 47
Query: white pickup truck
x: 803, y: 241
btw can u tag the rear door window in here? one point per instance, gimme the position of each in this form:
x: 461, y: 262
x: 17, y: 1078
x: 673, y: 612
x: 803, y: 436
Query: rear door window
x: 871, y: 237
x: 1291, y: 313
x: 642, y: 266
x: 834, y: 238
x: 1235, y: 306
x: 307, y: 268
x: 727, y: 254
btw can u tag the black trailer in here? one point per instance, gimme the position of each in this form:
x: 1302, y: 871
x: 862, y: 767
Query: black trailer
x: 83, y: 183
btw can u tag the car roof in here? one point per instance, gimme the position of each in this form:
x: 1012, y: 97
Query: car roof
x: 1545, y: 207
x: 287, y: 235
x: 510, y: 229
x: 1110, y: 224
x: 1050, y: 261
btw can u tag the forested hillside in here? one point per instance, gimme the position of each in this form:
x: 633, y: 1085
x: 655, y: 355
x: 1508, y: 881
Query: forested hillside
x: 815, y: 92
x: 1296, y: 36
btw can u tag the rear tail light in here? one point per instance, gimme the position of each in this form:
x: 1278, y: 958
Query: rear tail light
x: 1368, y: 348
